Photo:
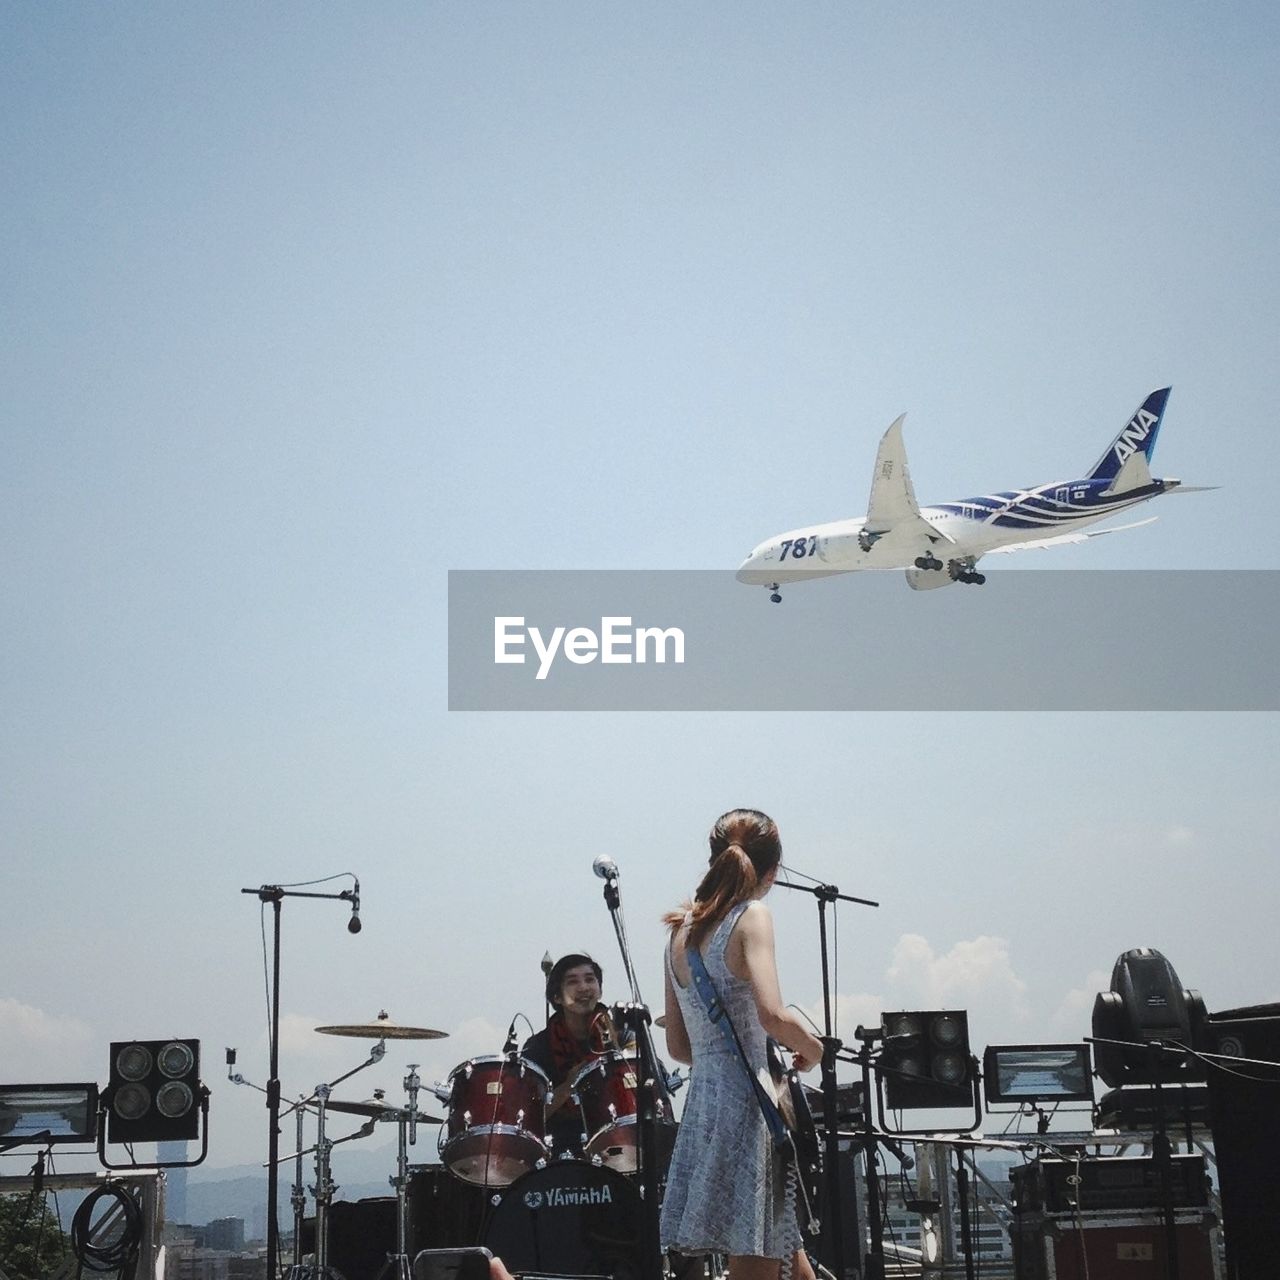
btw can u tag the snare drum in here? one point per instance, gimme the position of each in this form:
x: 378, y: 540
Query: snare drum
x: 605, y: 1093
x: 496, y: 1129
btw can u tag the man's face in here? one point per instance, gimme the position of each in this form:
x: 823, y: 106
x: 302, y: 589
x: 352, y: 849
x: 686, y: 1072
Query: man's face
x: 580, y: 989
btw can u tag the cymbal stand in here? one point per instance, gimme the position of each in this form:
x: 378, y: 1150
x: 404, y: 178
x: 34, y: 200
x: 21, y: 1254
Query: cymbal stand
x: 324, y: 1188
x: 298, y: 1199
x: 398, y: 1264
x: 298, y: 1196
x: 299, y: 1270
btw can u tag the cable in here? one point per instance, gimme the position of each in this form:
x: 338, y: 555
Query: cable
x: 266, y: 964
x: 817, y: 1030
x: 121, y: 1252
x: 1211, y: 1060
x: 262, y: 918
x: 1077, y: 1182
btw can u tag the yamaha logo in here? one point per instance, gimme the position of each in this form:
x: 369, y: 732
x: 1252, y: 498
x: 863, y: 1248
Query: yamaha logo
x: 561, y: 1197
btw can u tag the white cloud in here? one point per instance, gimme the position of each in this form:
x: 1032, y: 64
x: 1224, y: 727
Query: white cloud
x: 976, y: 975
x: 976, y: 971
x: 1073, y: 1017
x: 41, y: 1046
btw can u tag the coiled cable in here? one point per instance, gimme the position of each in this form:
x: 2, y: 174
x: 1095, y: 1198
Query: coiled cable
x: 121, y: 1250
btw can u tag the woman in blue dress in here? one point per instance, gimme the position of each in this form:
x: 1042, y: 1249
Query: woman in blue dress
x: 728, y: 1191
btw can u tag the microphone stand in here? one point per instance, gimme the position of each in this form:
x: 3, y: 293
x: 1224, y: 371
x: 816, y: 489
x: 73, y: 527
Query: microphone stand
x: 832, y: 1226
x: 651, y: 1095
x: 274, y: 894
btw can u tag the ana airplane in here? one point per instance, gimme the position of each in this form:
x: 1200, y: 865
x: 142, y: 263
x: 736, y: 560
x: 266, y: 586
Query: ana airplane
x: 941, y: 545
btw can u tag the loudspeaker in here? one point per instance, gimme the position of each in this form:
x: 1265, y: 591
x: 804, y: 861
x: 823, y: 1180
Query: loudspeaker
x: 1244, y: 1104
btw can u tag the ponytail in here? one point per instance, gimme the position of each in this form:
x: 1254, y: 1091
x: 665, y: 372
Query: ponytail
x: 744, y: 848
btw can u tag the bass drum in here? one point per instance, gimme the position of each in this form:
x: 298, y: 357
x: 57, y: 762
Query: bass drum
x: 570, y: 1219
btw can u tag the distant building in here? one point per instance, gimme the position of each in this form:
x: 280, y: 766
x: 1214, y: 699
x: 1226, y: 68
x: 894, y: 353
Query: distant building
x: 175, y: 1180
x: 186, y: 1261
x: 225, y: 1235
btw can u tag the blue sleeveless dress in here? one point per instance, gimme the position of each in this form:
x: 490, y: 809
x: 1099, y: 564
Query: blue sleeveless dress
x: 727, y: 1191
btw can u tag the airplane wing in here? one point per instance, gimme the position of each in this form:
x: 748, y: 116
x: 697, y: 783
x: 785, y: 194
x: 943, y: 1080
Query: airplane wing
x: 1061, y: 539
x: 892, y: 507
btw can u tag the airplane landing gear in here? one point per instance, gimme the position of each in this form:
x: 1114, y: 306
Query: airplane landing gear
x: 774, y: 594
x: 962, y: 570
x: 928, y: 561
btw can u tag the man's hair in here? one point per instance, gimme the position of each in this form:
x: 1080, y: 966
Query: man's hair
x: 555, y: 978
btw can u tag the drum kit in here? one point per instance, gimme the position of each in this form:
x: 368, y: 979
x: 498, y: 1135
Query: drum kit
x: 501, y: 1182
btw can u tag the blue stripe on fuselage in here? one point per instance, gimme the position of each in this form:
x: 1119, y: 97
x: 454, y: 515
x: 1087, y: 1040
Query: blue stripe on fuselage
x: 1042, y: 508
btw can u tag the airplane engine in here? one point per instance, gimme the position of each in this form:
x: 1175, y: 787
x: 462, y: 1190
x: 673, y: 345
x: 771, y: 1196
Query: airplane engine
x: 927, y: 579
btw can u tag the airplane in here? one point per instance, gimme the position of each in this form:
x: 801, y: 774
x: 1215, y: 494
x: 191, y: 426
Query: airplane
x: 939, y: 545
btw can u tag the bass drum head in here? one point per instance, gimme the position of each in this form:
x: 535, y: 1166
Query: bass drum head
x: 570, y: 1218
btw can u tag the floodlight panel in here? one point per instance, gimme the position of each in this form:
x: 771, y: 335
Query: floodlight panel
x: 63, y: 1112
x: 1038, y: 1073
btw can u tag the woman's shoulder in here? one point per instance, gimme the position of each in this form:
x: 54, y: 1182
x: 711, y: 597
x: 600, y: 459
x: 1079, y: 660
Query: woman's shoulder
x: 755, y: 914
x: 749, y: 919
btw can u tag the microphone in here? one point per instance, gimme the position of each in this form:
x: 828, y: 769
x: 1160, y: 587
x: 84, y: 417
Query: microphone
x: 605, y: 867
x: 353, y: 925
x: 510, y: 1046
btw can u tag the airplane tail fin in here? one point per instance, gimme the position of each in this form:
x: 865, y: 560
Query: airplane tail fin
x: 1128, y: 456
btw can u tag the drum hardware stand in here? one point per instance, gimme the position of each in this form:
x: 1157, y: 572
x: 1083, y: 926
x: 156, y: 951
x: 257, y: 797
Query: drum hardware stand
x: 323, y: 1192
x: 399, y: 1264
x: 298, y: 1196
x: 651, y: 1093
x: 275, y: 894
x: 832, y: 1230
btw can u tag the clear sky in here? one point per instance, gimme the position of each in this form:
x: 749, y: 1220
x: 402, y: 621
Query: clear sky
x: 305, y: 306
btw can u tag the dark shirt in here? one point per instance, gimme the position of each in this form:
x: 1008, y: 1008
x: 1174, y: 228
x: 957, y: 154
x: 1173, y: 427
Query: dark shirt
x: 565, y: 1127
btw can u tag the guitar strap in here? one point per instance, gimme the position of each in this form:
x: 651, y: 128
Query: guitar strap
x: 719, y: 1016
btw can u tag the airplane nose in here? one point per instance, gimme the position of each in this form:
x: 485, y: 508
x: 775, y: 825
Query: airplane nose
x: 749, y: 570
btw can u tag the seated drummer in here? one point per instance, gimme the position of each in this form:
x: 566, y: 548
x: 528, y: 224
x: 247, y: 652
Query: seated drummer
x: 579, y: 1030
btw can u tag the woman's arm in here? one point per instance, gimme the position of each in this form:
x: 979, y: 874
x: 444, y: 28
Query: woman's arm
x: 752, y: 956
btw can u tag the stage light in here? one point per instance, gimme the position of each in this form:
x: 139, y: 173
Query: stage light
x: 133, y: 1062
x: 1146, y: 1005
x: 40, y: 1114
x: 154, y: 1091
x: 925, y: 1062
x: 1037, y: 1073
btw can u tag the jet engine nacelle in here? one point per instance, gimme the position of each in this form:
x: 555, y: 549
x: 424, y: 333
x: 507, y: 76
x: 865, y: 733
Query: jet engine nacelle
x: 927, y: 579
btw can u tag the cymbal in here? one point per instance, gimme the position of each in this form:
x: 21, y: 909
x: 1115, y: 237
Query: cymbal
x: 376, y: 1110
x: 382, y: 1028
